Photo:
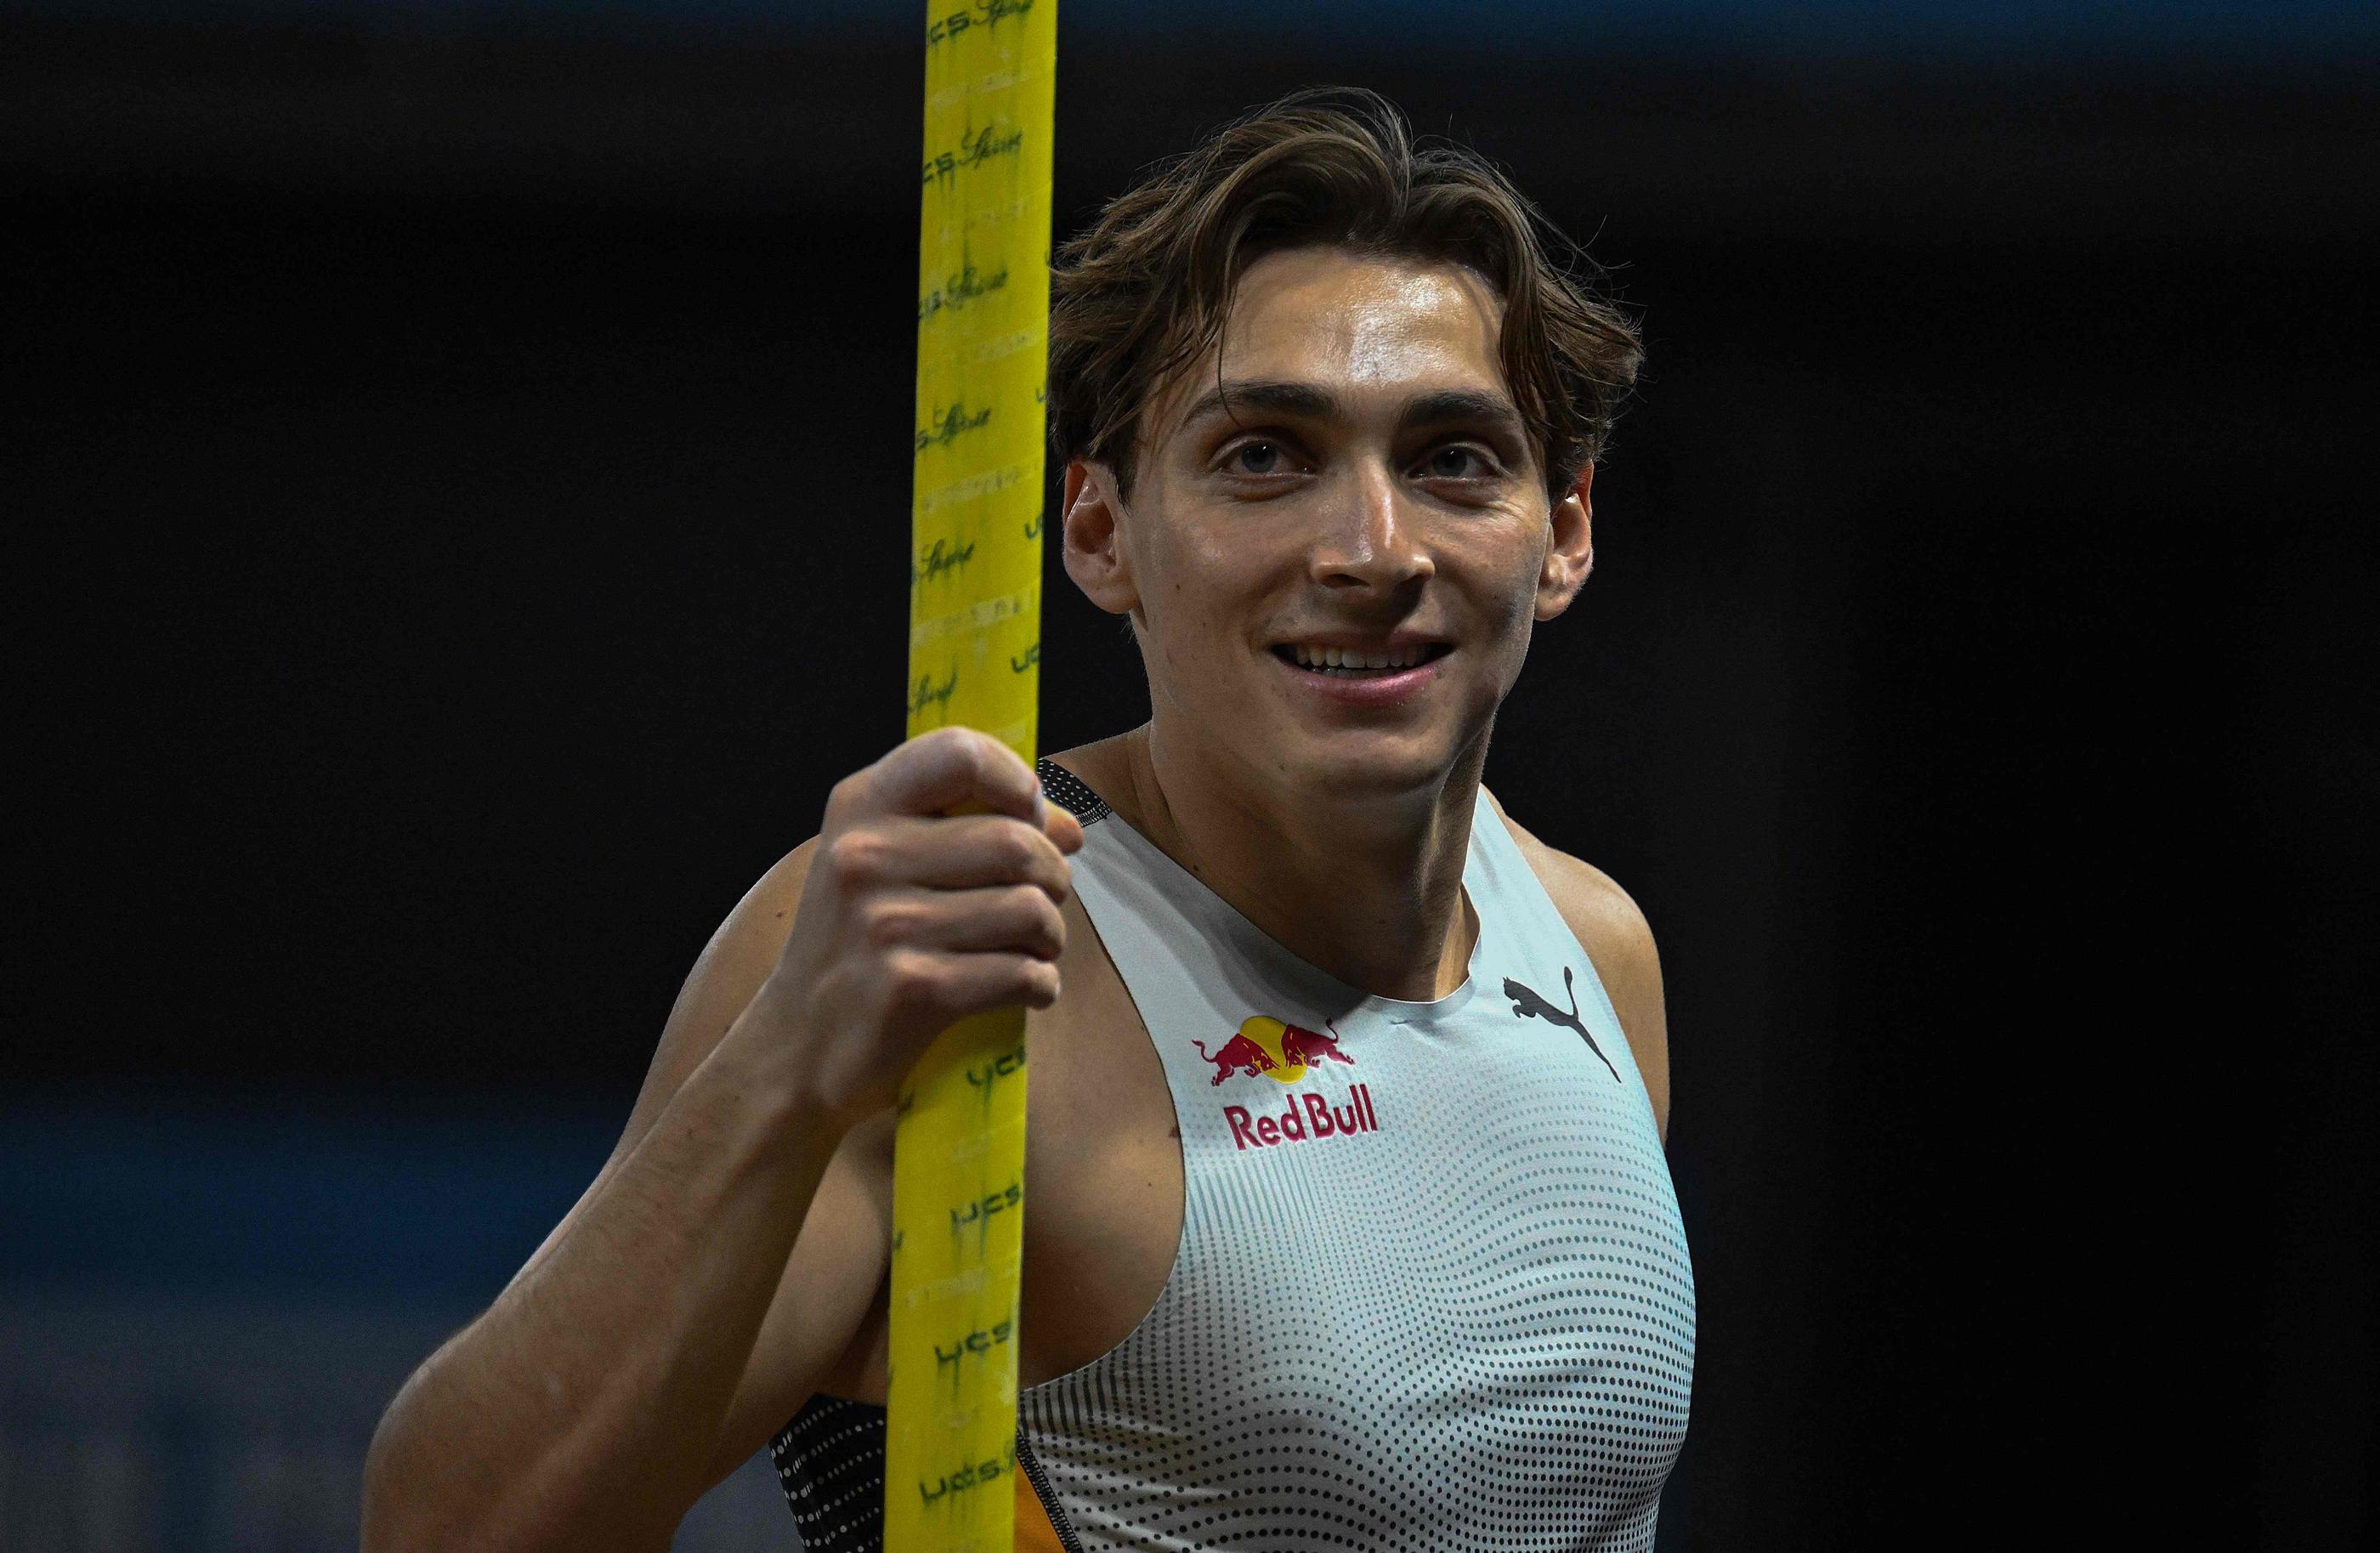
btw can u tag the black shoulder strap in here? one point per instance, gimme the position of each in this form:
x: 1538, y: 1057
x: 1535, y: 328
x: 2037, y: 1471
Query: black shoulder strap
x: 1072, y: 792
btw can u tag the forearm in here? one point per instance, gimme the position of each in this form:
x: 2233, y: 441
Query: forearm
x: 582, y: 1409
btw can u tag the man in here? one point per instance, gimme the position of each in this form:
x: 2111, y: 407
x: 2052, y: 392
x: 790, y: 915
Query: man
x: 1349, y: 1221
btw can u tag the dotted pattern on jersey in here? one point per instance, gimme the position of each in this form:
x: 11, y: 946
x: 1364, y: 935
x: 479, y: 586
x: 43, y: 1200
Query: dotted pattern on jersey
x: 1070, y: 792
x: 1471, y: 1328
x: 829, y: 1461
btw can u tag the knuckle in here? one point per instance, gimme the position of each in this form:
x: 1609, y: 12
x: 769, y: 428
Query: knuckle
x: 950, y: 742
x: 887, y: 925
x: 994, y: 761
x: 1020, y: 847
x: 909, y: 979
x: 852, y: 858
x: 983, y: 755
x: 848, y: 793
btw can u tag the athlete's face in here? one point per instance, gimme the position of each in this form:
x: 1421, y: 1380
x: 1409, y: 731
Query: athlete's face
x: 1346, y: 475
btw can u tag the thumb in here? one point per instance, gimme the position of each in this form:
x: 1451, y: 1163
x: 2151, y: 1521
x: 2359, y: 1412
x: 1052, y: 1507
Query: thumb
x: 1065, y: 832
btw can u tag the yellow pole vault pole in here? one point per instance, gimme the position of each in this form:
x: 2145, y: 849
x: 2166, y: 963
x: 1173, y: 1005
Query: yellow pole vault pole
x: 975, y: 655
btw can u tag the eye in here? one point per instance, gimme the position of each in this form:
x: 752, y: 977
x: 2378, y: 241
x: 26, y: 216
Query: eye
x: 1457, y: 461
x: 1255, y: 458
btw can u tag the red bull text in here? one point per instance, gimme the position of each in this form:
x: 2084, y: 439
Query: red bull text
x: 1308, y: 1116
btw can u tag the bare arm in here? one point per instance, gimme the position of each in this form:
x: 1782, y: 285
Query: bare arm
x: 607, y: 1386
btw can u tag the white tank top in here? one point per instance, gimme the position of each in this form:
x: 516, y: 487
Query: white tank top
x: 1431, y: 1290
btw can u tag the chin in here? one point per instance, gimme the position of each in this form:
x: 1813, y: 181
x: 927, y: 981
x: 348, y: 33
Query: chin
x: 1356, y: 764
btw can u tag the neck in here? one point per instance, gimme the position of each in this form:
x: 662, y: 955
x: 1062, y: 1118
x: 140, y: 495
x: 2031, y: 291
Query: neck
x: 1369, y: 889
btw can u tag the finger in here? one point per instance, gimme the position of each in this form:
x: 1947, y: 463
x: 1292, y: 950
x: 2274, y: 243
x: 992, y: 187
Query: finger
x: 1063, y: 830
x: 964, y: 851
x: 941, y: 770
x: 954, y: 986
x: 1014, y: 919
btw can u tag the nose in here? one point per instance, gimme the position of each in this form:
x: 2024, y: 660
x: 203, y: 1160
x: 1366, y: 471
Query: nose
x: 1368, y: 538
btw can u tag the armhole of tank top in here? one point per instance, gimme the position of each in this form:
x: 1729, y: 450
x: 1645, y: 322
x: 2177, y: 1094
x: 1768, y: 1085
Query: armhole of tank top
x: 830, y: 1462
x: 1085, y: 805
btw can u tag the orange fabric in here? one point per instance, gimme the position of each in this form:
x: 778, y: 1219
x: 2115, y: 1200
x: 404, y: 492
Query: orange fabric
x: 1034, y: 1532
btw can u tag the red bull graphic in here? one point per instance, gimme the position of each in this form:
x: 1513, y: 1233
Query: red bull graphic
x: 1238, y: 1054
x: 1304, y: 1049
x: 1278, y: 1050
x: 1283, y: 1052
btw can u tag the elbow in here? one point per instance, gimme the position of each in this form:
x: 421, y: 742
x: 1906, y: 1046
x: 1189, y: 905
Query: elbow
x: 416, y: 1503
x: 392, y: 1521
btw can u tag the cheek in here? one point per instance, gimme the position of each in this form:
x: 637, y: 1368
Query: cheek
x: 1506, y: 570
x: 1502, y: 591
x: 1207, y: 576
x: 1518, y: 599
x: 1516, y: 624
x: 1188, y: 589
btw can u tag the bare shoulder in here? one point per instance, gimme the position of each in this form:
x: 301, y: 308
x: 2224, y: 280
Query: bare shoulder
x: 726, y: 977
x: 1618, y: 939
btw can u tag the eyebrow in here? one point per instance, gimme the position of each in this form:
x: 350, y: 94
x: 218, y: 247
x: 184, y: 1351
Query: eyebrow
x: 1268, y: 396
x: 1264, y: 394
x: 1461, y: 405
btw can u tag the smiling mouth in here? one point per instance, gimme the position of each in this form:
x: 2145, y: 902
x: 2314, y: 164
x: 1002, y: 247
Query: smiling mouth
x: 1356, y: 664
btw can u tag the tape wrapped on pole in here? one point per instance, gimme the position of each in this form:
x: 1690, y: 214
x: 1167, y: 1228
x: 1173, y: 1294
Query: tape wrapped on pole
x: 975, y: 653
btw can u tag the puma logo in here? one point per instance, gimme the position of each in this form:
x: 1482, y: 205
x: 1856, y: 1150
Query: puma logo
x: 1526, y: 1002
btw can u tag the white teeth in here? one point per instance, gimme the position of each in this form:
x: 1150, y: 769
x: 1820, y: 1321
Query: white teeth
x: 1353, y: 661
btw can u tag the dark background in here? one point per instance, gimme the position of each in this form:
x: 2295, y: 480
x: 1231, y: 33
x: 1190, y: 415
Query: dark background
x: 460, y: 454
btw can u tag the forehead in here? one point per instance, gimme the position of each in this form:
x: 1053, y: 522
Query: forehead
x: 1365, y: 328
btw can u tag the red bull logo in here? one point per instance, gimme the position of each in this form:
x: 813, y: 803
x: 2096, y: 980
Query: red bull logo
x: 1304, y: 1049
x: 1239, y: 1055
x: 1283, y: 1052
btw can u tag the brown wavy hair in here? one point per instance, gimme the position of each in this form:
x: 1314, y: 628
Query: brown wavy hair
x: 1144, y: 291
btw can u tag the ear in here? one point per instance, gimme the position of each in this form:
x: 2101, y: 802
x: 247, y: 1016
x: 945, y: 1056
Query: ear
x: 1095, y: 552
x: 1570, y: 548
